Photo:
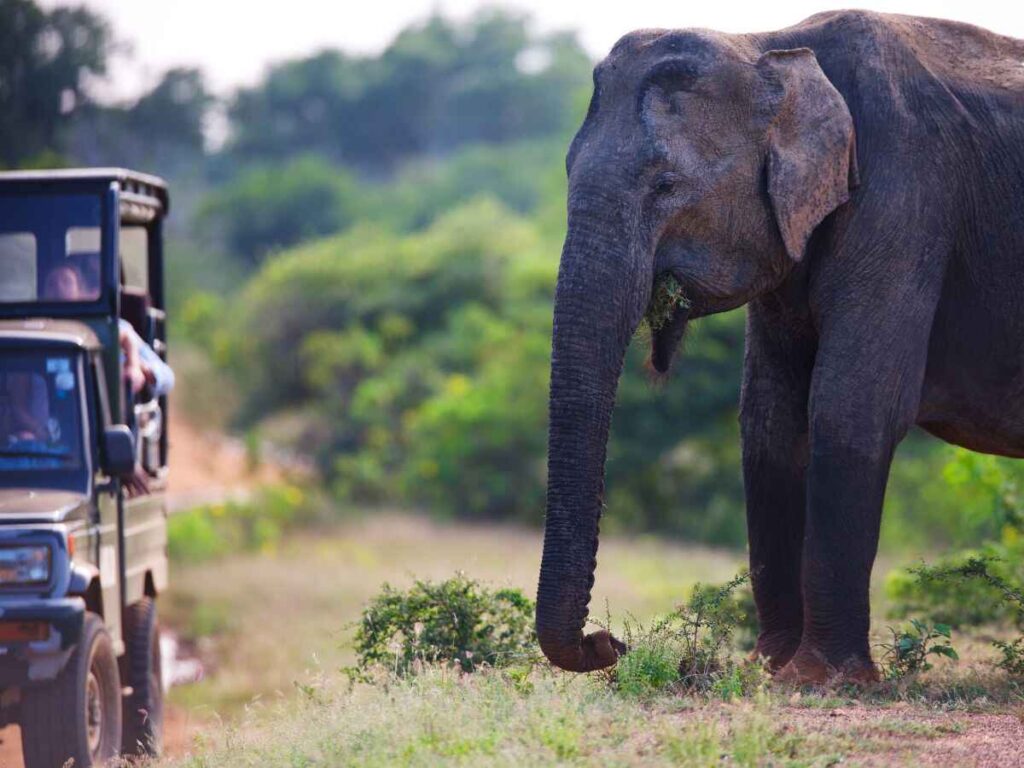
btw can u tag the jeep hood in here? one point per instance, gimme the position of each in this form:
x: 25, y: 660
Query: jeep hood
x: 40, y: 505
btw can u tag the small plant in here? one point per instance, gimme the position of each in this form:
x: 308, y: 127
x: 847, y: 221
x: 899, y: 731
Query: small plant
x: 1008, y: 600
x: 910, y: 650
x: 1013, y: 656
x: 652, y: 663
x: 666, y: 298
x: 456, y: 622
x: 691, y: 647
x: 706, y: 625
x: 963, y: 590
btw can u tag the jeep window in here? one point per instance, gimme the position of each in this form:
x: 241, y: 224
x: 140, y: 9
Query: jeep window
x: 49, y: 248
x: 18, y: 256
x: 134, y: 244
x: 40, y: 418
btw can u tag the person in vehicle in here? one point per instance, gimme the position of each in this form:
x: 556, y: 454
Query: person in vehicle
x: 64, y: 283
x: 142, y: 365
x: 26, y: 407
x: 146, y: 375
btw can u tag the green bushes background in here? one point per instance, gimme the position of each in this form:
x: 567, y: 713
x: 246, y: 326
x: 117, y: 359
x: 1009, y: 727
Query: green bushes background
x: 363, y: 268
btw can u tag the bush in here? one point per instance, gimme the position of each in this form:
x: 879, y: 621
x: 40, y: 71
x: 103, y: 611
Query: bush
x: 651, y: 665
x: 909, y: 651
x: 456, y: 622
x: 994, y: 595
x: 691, y: 647
x: 213, y: 530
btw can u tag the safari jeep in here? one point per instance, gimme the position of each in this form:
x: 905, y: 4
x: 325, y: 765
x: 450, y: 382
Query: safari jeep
x: 83, y: 465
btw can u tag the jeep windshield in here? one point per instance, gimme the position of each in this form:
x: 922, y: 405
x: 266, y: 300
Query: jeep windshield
x: 50, y: 248
x: 41, y: 420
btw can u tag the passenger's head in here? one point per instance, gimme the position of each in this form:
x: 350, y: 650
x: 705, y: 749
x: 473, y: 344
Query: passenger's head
x: 63, y: 283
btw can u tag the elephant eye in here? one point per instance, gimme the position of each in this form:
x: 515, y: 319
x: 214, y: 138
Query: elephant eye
x: 664, y: 183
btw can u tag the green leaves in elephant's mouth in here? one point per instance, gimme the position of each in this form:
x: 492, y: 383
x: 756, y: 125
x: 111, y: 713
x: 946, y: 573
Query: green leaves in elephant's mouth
x: 667, y: 315
x: 666, y: 298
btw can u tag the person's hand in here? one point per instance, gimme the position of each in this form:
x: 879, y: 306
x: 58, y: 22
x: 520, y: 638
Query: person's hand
x: 136, y: 377
x: 137, y: 483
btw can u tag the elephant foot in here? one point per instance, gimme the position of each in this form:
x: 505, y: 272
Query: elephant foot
x: 810, y: 666
x: 777, y: 646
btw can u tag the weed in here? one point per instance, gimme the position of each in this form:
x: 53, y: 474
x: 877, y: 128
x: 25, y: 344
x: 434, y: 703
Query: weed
x: 690, y: 647
x: 651, y: 666
x: 1013, y: 656
x: 908, y: 653
x: 457, y: 622
x: 1009, y: 599
x: 706, y: 624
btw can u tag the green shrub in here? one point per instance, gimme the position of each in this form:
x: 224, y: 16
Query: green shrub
x: 908, y: 653
x: 456, y: 622
x: 1013, y: 656
x: 691, y: 647
x: 974, y: 588
x: 706, y: 625
x: 213, y: 530
x: 650, y: 666
x: 996, y: 596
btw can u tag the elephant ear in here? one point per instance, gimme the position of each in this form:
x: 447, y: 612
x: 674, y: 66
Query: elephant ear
x: 812, y: 153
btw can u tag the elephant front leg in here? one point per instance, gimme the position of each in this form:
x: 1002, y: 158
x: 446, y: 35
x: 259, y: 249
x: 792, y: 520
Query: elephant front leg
x: 774, y: 480
x: 858, y: 415
x: 773, y: 419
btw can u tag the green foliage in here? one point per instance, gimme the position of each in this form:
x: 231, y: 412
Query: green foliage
x: 964, y: 589
x: 706, y: 625
x: 214, y: 530
x: 652, y: 664
x: 979, y: 578
x: 437, y: 86
x: 270, y: 207
x: 691, y: 647
x: 456, y: 622
x: 666, y: 298
x: 1012, y: 660
x: 970, y: 587
x: 908, y: 653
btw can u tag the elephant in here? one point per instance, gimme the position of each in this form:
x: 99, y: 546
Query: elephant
x: 855, y: 180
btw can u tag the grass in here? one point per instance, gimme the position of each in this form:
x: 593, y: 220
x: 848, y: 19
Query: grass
x: 544, y: 718
x: 286, y: 610
x: 280, y: 626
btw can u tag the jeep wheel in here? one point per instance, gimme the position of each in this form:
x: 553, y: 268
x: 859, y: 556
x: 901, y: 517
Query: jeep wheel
x: 144, y: 710
x: 77, y: 716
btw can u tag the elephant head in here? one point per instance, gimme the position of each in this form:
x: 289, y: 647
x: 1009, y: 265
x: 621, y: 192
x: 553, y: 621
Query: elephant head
x: 703, y: 158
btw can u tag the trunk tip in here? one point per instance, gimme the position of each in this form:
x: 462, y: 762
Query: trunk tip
x: 598, y: 650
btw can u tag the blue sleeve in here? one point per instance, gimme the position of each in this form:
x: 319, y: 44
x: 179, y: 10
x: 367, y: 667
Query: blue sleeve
x: 163, y: 376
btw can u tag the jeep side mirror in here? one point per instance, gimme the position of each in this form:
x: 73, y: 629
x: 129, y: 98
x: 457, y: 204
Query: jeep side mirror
x: 118, y: 451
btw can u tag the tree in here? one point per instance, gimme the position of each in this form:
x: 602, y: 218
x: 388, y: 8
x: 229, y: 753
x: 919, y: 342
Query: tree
x: 438, y: 86
x: 271, y: 207
x: 46, y: 59
x: 161, y: 131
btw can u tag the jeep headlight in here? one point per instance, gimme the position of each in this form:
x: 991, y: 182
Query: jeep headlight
x: 24, y: 565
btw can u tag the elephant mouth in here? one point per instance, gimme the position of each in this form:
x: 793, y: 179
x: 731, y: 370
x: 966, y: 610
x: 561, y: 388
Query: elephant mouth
x: 667, y: 314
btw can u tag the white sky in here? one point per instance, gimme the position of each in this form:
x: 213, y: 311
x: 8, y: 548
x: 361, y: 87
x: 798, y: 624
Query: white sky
x: 235, y: 40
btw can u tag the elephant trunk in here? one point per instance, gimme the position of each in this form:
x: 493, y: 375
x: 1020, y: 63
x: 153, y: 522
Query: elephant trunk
x: 599, y: 301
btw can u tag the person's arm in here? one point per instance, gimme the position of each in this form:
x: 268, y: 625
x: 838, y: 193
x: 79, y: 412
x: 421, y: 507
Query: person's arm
x: 130, y: 347
x: 159, y: 374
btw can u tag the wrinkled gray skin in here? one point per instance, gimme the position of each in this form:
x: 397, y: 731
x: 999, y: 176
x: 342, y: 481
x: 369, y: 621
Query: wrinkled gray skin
x: 858, y: 180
